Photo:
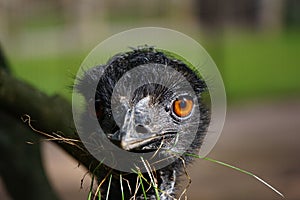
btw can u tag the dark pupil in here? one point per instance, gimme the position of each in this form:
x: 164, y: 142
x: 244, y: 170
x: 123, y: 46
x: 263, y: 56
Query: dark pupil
x: 182, y: 103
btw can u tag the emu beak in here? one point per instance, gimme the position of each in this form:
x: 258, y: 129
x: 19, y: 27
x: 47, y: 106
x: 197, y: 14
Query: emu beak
x: 132, y: 136
x: 129, y: 143
x: 130, y: 140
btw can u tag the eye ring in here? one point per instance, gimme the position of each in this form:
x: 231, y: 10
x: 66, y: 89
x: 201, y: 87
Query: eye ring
x: 182, y: 107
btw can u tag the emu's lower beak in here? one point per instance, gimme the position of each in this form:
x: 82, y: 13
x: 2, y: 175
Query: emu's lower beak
x: 136, y: 143
x: 132, y: 140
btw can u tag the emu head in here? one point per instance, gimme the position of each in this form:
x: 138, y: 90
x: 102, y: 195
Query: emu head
x: 147, y: 100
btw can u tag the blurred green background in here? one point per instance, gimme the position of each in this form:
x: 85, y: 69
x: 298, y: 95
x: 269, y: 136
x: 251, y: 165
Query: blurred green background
x: 255, y: 43
x: 256, y: 46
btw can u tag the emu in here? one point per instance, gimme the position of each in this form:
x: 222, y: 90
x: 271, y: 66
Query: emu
x: 155, y: 116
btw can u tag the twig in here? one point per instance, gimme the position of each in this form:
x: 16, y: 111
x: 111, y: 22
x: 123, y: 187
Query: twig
x: 55, y: 137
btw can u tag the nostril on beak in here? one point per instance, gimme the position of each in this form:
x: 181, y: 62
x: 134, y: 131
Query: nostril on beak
x: 141, y: 129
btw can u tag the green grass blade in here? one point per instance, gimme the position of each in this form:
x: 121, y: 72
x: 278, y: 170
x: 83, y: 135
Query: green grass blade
x: 142, y: 185
x: 152, y: 179
x: 99, y: 195
x: 121, y: 185
x: 245, y: 172
x: 92, y: 182
x: 90, y: 195
x: 108, y: 187
x: 240, y: 170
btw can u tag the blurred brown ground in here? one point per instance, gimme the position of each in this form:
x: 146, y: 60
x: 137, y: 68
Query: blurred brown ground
x: 262, y: 138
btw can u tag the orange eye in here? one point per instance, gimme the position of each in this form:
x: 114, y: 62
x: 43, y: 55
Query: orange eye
x: 182, y: 107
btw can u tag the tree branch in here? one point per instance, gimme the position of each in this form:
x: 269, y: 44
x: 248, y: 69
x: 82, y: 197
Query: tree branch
x: 51, y: 115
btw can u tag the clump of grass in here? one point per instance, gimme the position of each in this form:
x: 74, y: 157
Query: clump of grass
x: 152, y: 183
